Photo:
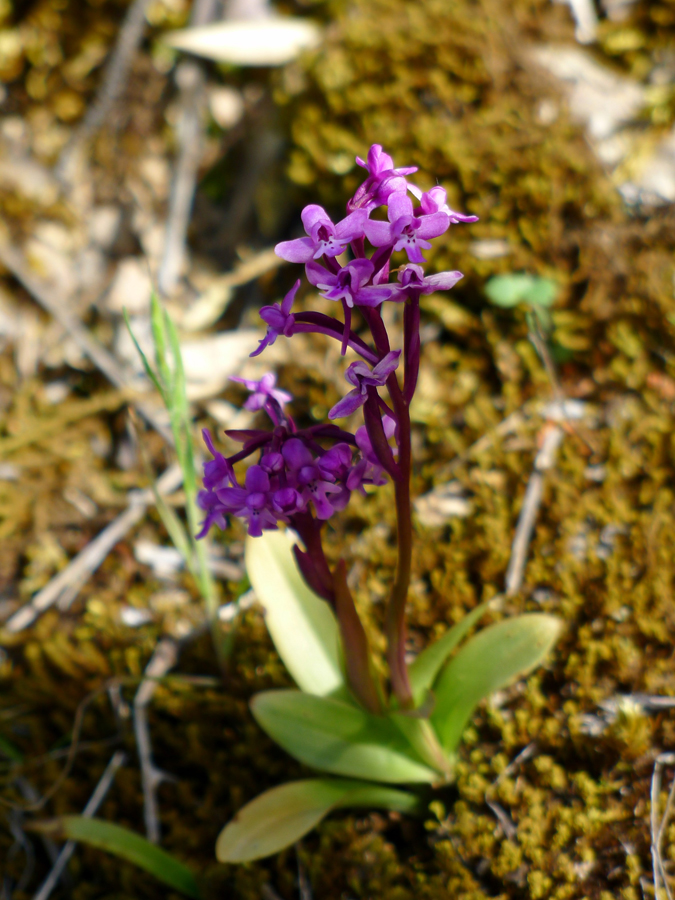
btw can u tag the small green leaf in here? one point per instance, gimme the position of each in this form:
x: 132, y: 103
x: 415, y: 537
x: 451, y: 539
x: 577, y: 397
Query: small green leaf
x: 488, y: 662
x: 508, y: 290
x: 428, y: 664
x: 132, y: 847
x: 301, y: 624
x: 333, y: 736
x: 542, y: 293
x: 281, y: 816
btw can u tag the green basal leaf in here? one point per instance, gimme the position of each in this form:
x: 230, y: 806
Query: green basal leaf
x: 132, y: 847
x: 281, y: 816
x: 509, y: 290
x: 301, y: 624
x: 334, y: 736
x: 428, y: 664
x: 486, y: 663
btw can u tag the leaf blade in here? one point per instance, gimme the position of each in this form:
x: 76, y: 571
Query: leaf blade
x: 488, y: 662
x: 132, y: 847
x: 427, y: 665
x: 284, y: 814
x: 301, y: 625
x: 337, y: 737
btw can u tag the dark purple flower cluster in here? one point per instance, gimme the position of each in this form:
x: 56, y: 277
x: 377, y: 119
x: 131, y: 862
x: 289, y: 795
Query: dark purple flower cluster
x: 297, y: 479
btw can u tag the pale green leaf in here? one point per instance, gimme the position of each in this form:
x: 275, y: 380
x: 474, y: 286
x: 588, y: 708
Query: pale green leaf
x: 428, y: 664
x: 542, y: 293
x: 132, y: 847
x: 158, y: 323
x: 282, y: 815
x: 508, y: 290
x: 486, y: 663
x: 301, y: 624
x: 333, y: 736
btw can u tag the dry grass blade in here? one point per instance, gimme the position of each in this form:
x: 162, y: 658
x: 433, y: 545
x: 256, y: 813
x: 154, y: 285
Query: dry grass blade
x: 658, y: 827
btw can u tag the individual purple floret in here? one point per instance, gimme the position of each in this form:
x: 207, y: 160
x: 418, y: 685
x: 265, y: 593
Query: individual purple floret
x: 279, y: 319
x: 413, y: 276
x: 436, y: 200
x: 362, y: 377
x: 383, y: 180
x: 350, y: 284
x: 325, y: 239
x: 262, y: 392
x: 406, y: 231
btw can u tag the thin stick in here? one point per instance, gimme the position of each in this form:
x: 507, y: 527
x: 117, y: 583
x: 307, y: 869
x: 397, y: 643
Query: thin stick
x: 162, y: 660
x: 114, y: 79
x: 68, y: 583
x: 658, y: 827
x: 544, y: 460
x: 49, y: 299
x: 502, y: 816
x: 191, y: 82
x: 90, y: 810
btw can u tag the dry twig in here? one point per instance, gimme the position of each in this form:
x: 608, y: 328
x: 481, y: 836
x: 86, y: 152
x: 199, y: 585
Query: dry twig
x: 544, y: 460
x: 66, y: 585
x: 116, y: 74
x: 658, y: 828
x: 501, y: 815
x: 90, y: 810
x: 162, y: 660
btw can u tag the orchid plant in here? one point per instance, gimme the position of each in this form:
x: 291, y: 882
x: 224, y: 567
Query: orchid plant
x: 342, y: 719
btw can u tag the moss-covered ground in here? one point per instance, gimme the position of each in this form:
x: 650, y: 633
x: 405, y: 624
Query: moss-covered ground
x: 447, y: 85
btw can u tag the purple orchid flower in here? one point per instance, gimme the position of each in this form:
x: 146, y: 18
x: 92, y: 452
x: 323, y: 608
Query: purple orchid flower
x: 312, y: 483
x: 362, y: 377
x: 218, y: 472
x: 208, y: 501
x: 350, y: 284
x: 251, y: 502
x: 436, y: 200
x: 406, y: 231
x: 279, y: 319
x: 263, y: 391
x: 383, y: 180
x: 369, y: 469
x: 412, y: 276
x: 324, y: 238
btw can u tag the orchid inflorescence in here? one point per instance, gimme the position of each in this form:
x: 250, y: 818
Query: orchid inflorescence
x: 303, y: 476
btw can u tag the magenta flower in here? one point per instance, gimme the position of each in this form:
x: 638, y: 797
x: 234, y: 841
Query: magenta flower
x: 406, y: 231
x: 350, y: 284
x: 312, y: 483
x: 413, y: 276
x: 279, y: 319
x: 324, y: 238
x: 362, y: 377
x: 251, y: 502
x: 263, y: 391
x: 436, y: 200
x: 383, y: 180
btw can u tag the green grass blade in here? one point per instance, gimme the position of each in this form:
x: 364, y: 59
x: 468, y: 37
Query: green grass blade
x: 133, y: 848
x: 158, y: 323
x: 146, y: 365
